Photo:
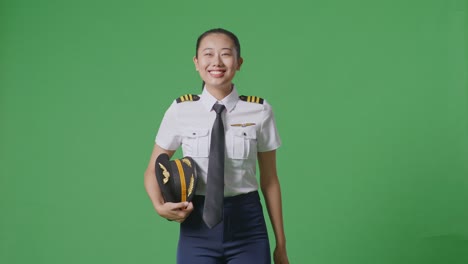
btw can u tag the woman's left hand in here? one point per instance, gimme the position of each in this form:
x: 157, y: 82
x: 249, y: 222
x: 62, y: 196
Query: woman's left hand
x: 280, y: 256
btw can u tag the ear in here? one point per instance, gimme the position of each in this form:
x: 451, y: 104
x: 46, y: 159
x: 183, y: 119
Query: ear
x: 239, y: 64
x: 195, y: 61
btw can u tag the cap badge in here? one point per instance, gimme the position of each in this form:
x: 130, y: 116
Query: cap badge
x: 165, y: 173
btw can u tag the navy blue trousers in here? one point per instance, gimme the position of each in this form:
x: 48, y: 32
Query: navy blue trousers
x: 240, y: 238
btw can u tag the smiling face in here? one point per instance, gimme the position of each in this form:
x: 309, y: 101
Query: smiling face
x: 217, y: 62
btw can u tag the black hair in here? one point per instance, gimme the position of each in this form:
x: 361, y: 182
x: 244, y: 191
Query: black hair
x: 228, y: 33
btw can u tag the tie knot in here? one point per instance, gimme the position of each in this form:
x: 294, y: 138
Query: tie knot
x: 218, y: 108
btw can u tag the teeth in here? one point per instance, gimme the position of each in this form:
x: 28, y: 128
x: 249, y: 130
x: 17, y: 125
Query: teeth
x: 216, y: 72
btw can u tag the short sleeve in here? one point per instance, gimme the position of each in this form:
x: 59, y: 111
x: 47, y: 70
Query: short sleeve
x: 167, y: 136
x: 268, y: 138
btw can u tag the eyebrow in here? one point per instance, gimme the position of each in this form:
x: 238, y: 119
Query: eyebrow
x: 222, y: 49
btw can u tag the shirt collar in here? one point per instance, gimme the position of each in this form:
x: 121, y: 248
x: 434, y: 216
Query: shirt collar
x: 229, y: 101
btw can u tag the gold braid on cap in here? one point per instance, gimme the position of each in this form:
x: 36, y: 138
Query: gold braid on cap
x: 186, y: 161
x: 165, y: 173
x: 190, y: 188
x: 183, y: 188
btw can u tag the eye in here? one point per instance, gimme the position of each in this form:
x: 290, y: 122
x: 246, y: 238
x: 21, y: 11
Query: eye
x: 226, y: 54
x: 207, y: 54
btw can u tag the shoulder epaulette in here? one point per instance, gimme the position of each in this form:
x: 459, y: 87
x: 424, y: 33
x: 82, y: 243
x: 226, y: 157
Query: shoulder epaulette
x: 251, y: 99
x: 188, y: 97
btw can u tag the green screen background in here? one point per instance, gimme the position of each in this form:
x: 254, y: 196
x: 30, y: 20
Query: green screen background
x: 370, y: 97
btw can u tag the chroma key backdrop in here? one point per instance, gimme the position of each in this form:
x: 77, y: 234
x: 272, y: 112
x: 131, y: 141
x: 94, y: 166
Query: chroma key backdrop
x: 370, y: 99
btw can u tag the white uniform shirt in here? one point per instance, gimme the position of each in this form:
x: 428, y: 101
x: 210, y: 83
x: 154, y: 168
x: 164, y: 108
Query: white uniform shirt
x: 249, y: 128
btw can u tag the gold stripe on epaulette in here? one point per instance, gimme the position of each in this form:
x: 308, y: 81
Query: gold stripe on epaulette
x: 188, y: 98
x: 251, y: 99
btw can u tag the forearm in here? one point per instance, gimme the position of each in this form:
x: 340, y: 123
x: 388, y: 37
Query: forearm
x: 272, y: 194
x: 152, y: 189
x: 151, y: 185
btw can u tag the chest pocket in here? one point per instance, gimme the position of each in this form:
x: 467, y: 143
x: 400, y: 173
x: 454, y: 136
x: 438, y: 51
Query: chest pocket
x: 241, y: 142
x: 195, y: 142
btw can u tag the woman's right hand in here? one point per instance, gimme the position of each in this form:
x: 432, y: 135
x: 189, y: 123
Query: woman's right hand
x: 175, y: 211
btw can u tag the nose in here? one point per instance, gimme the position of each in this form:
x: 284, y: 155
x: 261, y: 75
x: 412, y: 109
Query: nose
x: 217, y: 61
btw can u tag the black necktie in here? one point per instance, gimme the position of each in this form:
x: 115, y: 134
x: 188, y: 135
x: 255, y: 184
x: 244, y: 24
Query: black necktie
x: 213, y: 210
